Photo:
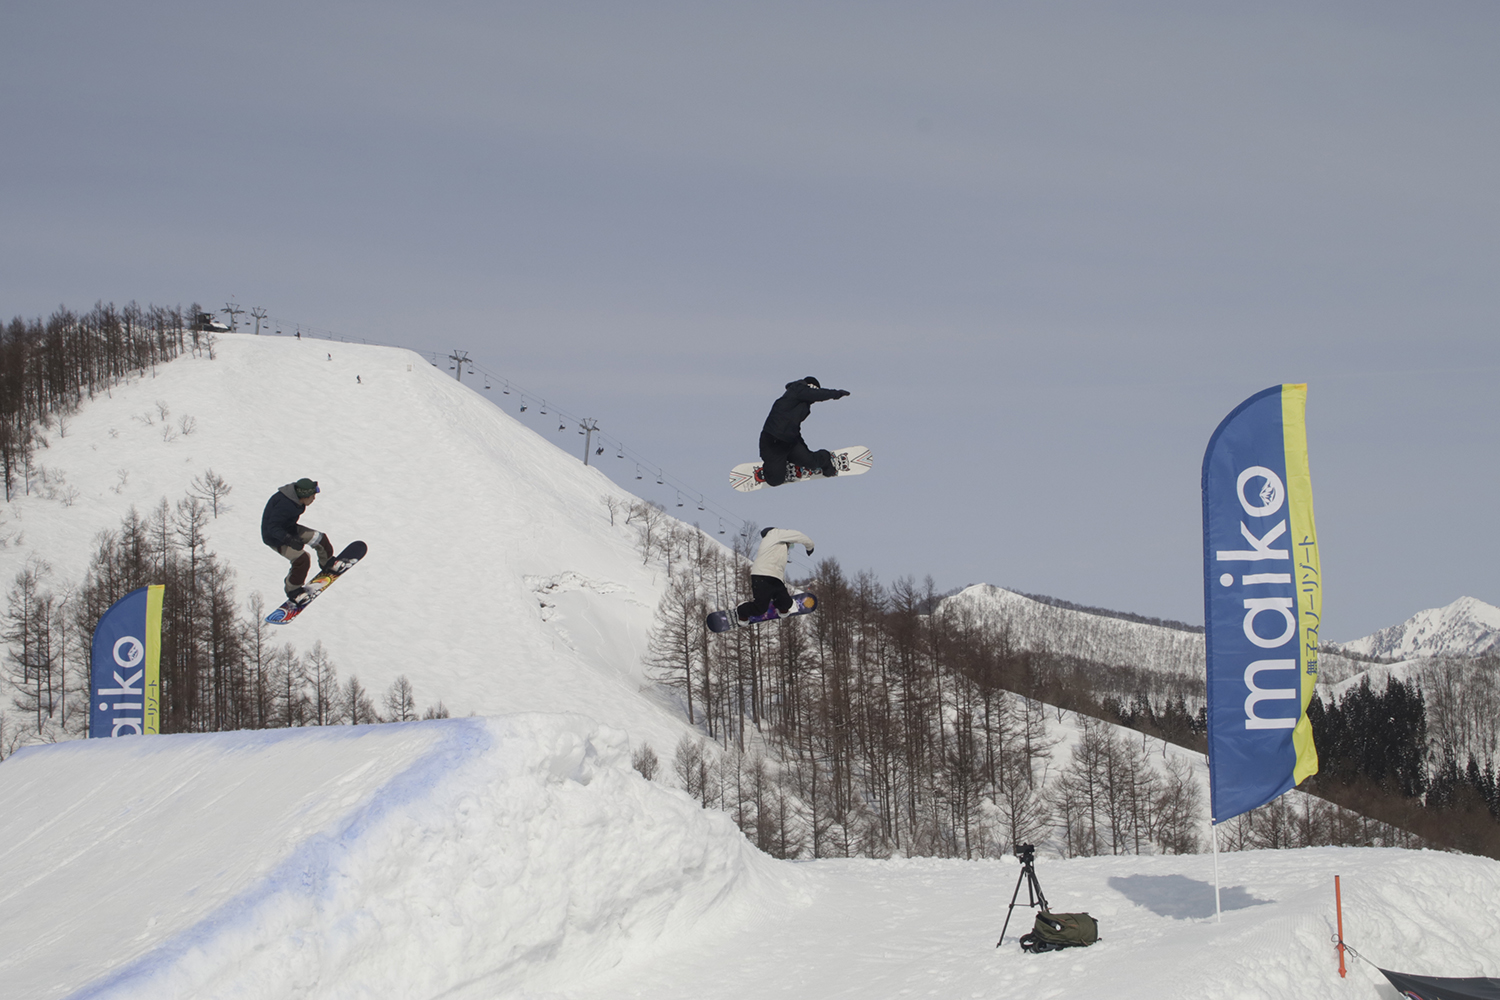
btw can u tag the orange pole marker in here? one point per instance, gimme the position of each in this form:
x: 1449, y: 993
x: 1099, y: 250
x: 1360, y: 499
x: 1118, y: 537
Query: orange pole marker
x: 1338, y: 903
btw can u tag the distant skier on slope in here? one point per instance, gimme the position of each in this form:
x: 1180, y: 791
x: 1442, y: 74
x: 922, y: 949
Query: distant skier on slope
x: 279, y: 529
x: 768, y: 572
x: 781, y: 437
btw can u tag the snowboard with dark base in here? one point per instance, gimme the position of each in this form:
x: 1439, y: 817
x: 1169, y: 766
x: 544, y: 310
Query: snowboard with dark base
x: 298, y: 602
x: 723, y: 621
x: 749, y: 476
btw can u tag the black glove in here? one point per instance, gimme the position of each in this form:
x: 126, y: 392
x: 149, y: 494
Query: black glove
x: 842, y: 394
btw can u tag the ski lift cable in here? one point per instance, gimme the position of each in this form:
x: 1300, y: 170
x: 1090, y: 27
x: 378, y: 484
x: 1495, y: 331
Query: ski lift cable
x: 528, y: 400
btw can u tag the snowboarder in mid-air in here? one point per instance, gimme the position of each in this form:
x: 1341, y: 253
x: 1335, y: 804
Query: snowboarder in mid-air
x: 768, y: 572
x: 279, y: 529
x: 781, y: 437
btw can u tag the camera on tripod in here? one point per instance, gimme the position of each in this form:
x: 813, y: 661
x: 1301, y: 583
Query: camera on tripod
x: 1051, y: 930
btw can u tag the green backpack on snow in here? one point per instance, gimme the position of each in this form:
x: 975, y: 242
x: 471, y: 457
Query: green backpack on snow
x: 1060, y: 930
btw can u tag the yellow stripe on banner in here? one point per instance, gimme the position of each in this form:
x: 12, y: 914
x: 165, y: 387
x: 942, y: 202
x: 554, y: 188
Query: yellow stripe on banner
x: 152, y: 721
x: 1305, y: 559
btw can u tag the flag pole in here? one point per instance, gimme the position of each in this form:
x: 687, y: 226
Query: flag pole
x: 1213, y: 833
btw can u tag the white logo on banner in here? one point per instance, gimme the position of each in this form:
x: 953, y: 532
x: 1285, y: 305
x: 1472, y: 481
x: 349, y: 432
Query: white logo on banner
x: 1272, y: 497
x: 134, y: 651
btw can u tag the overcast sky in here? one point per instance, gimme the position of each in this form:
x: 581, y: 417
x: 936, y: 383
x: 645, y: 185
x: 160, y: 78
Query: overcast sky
x: 1047, y: 246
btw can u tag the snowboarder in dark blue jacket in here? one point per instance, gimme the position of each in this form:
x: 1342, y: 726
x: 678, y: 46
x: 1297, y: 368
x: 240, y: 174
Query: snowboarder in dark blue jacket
x: 279, y: 529
x: 781, y: 437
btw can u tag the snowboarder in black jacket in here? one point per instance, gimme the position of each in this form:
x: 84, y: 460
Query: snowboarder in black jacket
x: 781, y: 438
x: 279, y: 529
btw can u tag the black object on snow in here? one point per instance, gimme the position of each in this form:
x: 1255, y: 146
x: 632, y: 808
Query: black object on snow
x: 1442, y: 988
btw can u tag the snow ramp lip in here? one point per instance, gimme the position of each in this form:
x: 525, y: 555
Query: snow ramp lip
x: 454, y: 858
x: 315, y: 863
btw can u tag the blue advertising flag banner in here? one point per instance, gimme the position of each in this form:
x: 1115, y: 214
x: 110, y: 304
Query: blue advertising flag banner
x: 125, y: 672
x: 1262, y: 600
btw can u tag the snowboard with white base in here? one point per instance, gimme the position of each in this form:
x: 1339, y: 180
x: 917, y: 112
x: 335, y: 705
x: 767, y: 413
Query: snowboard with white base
x: 846, y: 462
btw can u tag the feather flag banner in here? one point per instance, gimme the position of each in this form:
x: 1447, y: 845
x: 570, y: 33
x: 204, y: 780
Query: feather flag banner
x: 1263, y: 601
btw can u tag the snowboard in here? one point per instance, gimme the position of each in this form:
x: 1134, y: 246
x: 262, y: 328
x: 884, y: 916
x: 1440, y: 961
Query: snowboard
x: 723, y: 621
x: 342, y: 563
x: 848, y: 461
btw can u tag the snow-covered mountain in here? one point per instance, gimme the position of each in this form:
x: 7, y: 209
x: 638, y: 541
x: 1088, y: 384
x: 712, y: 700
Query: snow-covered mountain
x: 495, y: 579
x: 1035, y: 625
x: 1467, y: 627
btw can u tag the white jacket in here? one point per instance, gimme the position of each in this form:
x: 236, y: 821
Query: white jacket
x: 775, y: 546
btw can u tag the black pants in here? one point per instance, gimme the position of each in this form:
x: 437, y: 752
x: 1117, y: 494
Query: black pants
x: 764, y: 590
x: 776, y: 453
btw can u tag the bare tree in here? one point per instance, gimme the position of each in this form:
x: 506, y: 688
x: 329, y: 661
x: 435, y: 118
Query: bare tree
x: 357, y: 708
x: 322, y: 678
x: 1023, y: 814
x: 691, y: 765
x: 644, y: 760
x: 649, y: 519
x: 212, y: 490
x: 613, y: 504
x: 675, y: 645
x: 1177, y: 809
x: 1078, y: 795
x: 400, y: 701
x: 34, y: 645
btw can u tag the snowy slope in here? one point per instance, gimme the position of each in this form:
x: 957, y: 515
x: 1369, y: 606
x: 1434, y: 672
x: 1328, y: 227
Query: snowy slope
x: 460, y: 858
x: 928, y: 928
x: 521, y: 857
x: 495, y: 581
x: 1467, y: 627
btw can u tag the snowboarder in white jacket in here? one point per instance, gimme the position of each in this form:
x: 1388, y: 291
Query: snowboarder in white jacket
x: 768, y: 572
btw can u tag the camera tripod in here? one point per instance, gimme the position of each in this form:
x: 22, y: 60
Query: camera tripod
x: 1026, y: 854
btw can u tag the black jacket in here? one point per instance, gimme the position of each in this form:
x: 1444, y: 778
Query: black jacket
x: 788, y: 412
x: 278, y: 525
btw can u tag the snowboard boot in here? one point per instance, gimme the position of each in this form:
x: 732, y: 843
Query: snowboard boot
x: 324, y: 548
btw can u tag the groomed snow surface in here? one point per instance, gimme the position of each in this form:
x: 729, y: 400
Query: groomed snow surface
x: 523, y: 857
x: 464, y: 857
